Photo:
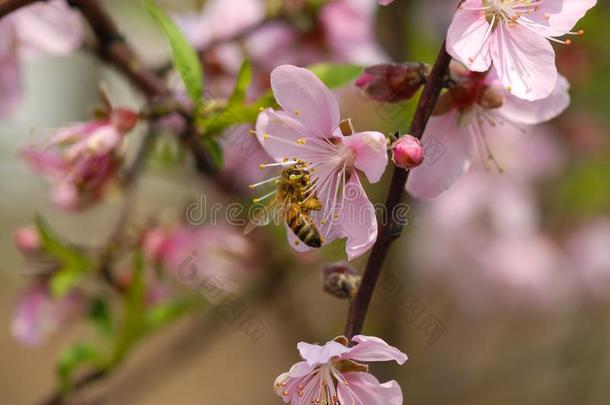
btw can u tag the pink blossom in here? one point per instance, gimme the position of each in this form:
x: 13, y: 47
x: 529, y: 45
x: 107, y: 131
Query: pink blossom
x: 308, y: 130
x: 83, y: 159
x: 513, y: 36
x: 333, y: 374
x: 195, y: 255
x: 39, y: 315
x: 42, y: 28
x: 385, y: 2
x: 475, y: 106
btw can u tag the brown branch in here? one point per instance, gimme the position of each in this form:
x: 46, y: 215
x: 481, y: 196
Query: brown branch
x: 392, y: 230
x: 8, y: 6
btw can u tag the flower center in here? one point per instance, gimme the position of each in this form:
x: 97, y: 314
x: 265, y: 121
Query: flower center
x: 508, y: 11
x: 345, y: 156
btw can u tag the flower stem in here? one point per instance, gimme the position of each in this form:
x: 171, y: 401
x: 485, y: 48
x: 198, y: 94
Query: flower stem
x: 392, y: 230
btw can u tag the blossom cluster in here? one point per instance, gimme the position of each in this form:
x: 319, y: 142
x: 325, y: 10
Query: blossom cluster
x: 317, y: 165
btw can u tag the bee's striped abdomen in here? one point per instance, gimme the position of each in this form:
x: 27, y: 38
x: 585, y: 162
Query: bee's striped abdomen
x: 303, y: 227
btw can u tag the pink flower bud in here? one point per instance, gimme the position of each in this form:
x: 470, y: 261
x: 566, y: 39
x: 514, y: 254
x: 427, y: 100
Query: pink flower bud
x: 27, y: 240
x: 407, y: 152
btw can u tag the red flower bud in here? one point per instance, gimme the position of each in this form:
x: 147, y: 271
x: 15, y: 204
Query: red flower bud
x: 407, y: 152
x: 393, y: 82
x: 124, y: 119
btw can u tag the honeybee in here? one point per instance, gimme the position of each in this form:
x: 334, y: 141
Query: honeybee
x: 293, y: 201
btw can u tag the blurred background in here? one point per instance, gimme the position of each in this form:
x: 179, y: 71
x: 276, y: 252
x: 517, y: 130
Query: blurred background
x: 498, y: 291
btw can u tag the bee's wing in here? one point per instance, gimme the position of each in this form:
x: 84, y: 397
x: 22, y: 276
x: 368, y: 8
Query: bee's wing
x: 266, y: 215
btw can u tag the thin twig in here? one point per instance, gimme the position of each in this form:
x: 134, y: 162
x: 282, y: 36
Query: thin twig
x: 392, y: 230
x: 58, y: 398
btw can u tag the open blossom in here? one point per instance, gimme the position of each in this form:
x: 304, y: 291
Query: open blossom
x: 39, y: 315
x: 469, y: 111
x: 513, y: 36
x: 308, y: 130
x: 220, y: 255
x: 333, y: 374
x: 44, y: 28
x: 83, y: 159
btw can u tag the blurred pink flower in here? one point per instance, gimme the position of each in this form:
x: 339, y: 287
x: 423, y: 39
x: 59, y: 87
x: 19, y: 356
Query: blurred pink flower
x: 194, y: 255
x: 42, y: 28
x: 514, y: 36
x: 220, y: 20
x: 344, y: 31
x: 27, y: 240
x: 39, y: 315
x: 589, y: 248
x: 333, y: 374
x: 83, y: 159
x: 385, y: 2
x: 475, y: 106
x: 308, y: 129
x: 484, y: 239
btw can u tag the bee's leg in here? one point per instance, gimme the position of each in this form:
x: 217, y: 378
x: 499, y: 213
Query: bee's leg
x: 311, y: 204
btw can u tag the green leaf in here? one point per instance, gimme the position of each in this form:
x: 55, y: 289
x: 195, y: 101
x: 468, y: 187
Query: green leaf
x: 215, y: 123
x: 336, y: 75
x: 73, y: 264
x: 244, y: 77
x: 163, y: 314
x: 64, y: 280
x: 101, y: 317
x: 185, y: 57
x: 71, y: 359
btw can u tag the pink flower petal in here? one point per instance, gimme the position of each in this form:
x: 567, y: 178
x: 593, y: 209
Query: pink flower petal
x: 10, y: 83
x: 358, y: 221
x: 371, y: 153
x: 365, y: 389
x: 370, y: 348
x: 284, y: 129
x: 48, y: 28
x: 468, y: 38
x: 535, y: 112
x: 315, y: 354
x: 561, y: 15
x: 524, y: 61
x: 448, y: 149
x: 350, y: 31
x: 300, y: 92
